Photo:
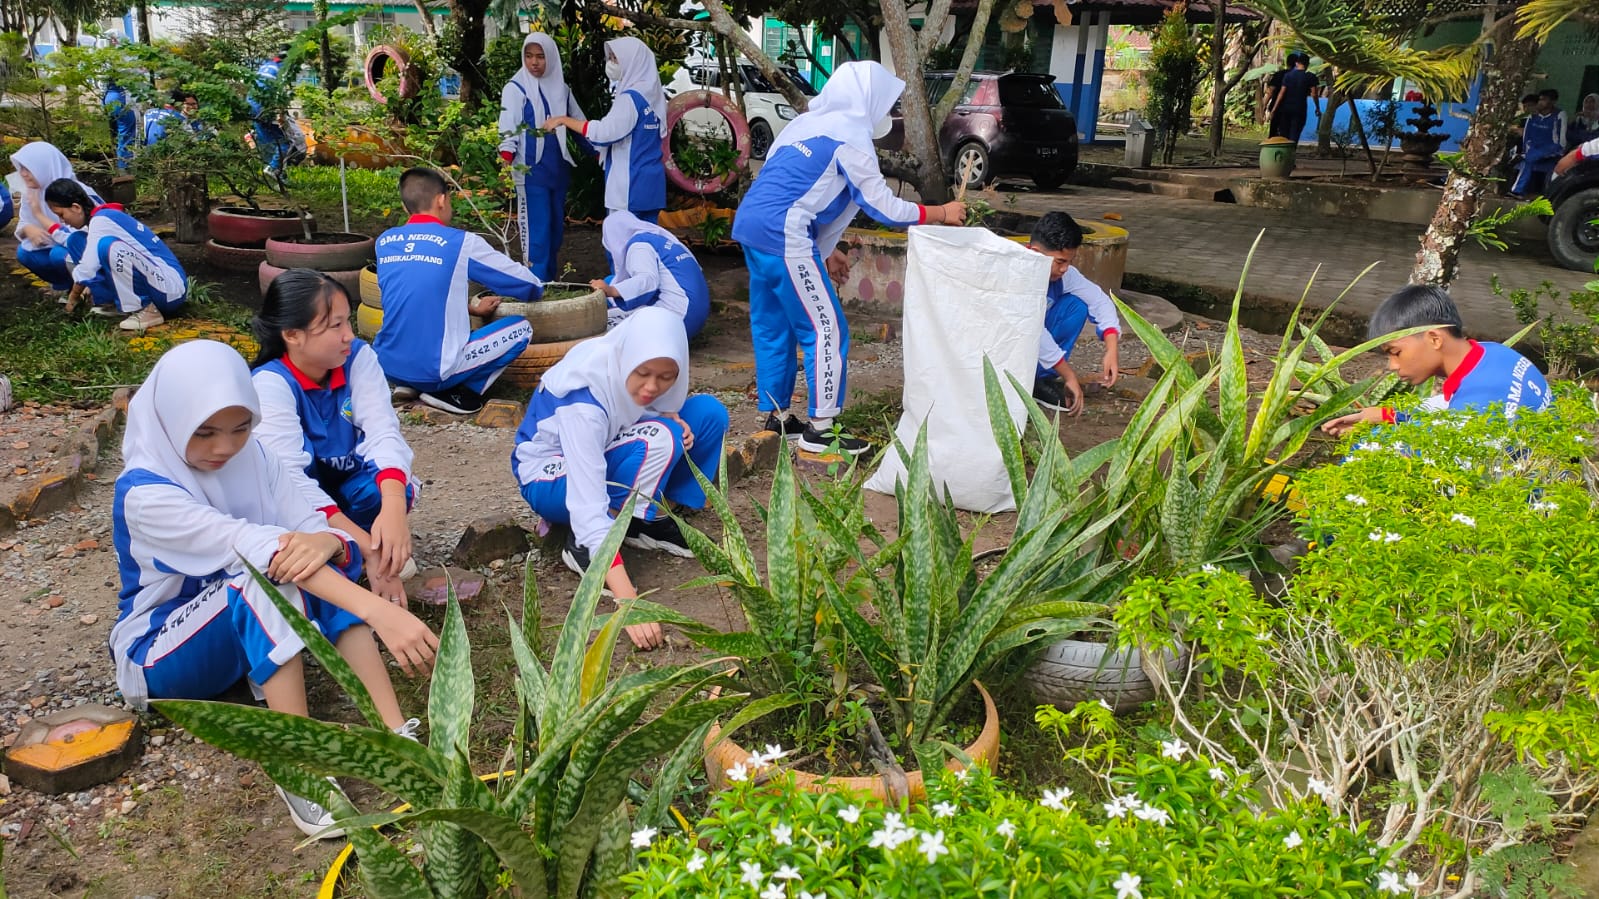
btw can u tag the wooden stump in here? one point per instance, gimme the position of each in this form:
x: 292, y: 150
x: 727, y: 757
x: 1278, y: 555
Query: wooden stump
x: 189, y: 204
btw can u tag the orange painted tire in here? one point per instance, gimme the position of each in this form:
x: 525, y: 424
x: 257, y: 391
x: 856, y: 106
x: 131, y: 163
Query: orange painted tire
x: 524, y: 372
x: 379, y: 58
x: 680, y: 106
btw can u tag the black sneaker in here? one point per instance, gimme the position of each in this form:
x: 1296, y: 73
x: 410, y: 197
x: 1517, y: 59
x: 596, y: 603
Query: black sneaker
x: 460, y: 400
x: 662, y: 534
x: 814, y: 441
x: 1051, y: 394
x: 789, y: 427
x: 576, y: 557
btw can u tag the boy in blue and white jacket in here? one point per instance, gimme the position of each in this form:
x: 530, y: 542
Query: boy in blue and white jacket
x: 629, y: 136
x: 1071, y: 301
x: 122, y: 264
x: 424, y: 269
x: 821, y: 171
x: 1477, y: 377
x: 649, y: 267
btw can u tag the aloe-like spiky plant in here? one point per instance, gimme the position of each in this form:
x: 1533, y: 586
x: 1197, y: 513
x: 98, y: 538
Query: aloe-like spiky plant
x: 556, y: 820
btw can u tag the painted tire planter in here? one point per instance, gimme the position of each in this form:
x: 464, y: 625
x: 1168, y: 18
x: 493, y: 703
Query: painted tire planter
x: 266, y: 273
x: 327, y: 251
x: 877, y: 270
x: 371, y: 294
x: 380, y: 58
x: 1074, y: 671
x: 369, y: 320
x: 720, y: 756
x: 234, y: 258
x: 241, y: 225
x: 524, y: 372
x: 360, y: 147
x: 554, y: 321
x: 681, y: 105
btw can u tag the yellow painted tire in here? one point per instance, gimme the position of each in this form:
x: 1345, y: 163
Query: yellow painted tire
x: 538, y: 358
x: 371, y: 294
x: 368, y: 319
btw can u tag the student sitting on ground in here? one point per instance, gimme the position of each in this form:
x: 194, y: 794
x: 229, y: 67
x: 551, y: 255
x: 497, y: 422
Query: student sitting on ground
x: 325, y: 410
x: 1072, y: 300
x: 652, y: 269
x: 198, y: 497
x: 38, y: 165
x: 1476, y: 375
x: 424, y: 266
x: 613, y: 418
x: 120, y: 263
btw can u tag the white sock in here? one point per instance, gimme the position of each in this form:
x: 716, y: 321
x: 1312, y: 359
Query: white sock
x: 821, y: 424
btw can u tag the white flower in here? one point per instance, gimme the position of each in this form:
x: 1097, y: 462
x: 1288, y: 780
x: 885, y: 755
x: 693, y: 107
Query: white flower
x: 1383, y: 537
x: 1056, y: 799
x: 892, y: 821
x: 1293, y: 840
x: 753, y: 875
x: 1466, y: 520
x: 1209, y: 568
x: 1217, y: 774
x: 933, y: 846
x: 1368, y: 445
x: 1121, y: 805
x: 944, y: 810
x: 1412, y: 880
x: 1174, y: 749
x: 1127, y: 886
x: 1106, y: 705
x: 1388, y: 882
x: 890, y: 839
x: 786, y: 872
x: 738, y: 773
x: 1321, y: 789
x: 782, y: 835
x: 696, y: 863
x: 1579, y: 438
x: 1151, y: 813
x: 1006, y: 829
x: 1375, y: 536
x: 1355, y: 499
x: 1102, y: 844
x: 774, y: 890
x: 963, y: 775
x: 641, y: 838
x: 807, y: 894
x: 773, y: 753
x: 1542, y: 506
x: 850, y: 814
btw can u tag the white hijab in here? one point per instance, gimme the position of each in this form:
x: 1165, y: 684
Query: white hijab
x: 618, y: 231
x: 189, y: 384
x: 47, y: 165
x: 849, y: 107
x: 552, y: 85
x: 603, y: 363
x: 639, y: 73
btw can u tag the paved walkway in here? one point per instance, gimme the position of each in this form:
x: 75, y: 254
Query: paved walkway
x: 1205, y: 244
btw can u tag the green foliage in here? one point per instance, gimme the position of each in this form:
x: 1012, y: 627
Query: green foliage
x: 556, y: 822
x: 1173, y: 79
x: 1485, y: 228
x: 1570, y: 340
x: 1528, y: 871
x: 1218, y: 612
x: 1176, y: 828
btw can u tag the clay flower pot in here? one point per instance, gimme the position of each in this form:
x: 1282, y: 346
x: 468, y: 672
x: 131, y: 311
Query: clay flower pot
x: 243, y: 226
x: 326, y: 251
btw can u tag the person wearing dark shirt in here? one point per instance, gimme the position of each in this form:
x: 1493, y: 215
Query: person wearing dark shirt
x: 1299, y: 87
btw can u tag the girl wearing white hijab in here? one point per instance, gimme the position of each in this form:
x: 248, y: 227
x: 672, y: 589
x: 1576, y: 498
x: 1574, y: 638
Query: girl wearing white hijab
x: 1585, y: 126
x: 651, y: 268
x: 612, y: 419
x: 820, y: 171
x: 40, y: 164
x: 199, y: 497
x: 535, y: 93
x: 629, y: 136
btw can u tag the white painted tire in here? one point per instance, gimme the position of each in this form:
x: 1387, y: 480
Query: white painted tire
x: 1073, y: 671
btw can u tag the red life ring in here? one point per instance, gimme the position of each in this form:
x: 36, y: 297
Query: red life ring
x: 377, y: 59
x: 681, y: 105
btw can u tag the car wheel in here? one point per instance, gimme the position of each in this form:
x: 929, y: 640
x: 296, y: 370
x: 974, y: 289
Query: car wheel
x: 1573, y: 238
x: 972, y: 159
x: 1051, y: 179
x: 760, y: 139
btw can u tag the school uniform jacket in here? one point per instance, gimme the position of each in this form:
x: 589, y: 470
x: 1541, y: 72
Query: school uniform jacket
x: 629, y: 140
x: 518, y: 109
x: 335, y: 428
x: 424, y: 267
x: 1074, y: 285
x: 572, y: 428
x: 809, y: 192
x: 1491, y: 374
x: 108, y: 220
x: 662, y: 272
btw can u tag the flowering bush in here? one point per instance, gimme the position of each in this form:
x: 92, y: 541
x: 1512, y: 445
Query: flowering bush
x: 1178, y: 826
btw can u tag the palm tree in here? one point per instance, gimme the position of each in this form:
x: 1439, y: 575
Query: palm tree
x: 1539, y: 18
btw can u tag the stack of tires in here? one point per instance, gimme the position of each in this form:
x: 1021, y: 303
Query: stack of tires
x: 575, y: 314
x: 339, y: 255
x: 239, y: 235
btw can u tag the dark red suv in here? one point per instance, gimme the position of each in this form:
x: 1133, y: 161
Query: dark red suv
x: 1006, y: 124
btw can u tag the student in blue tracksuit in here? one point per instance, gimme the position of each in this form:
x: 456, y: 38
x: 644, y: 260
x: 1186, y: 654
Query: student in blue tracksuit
x: 39, y: 165
x: 612, y: 419
x: 424, y: 269
x: 125, y: 268
x: 651, y: 268
x: 7, y: 210
x: 325, y: 410
x: 173, y: 117
x: 1543, y: 142
x: 819, y: 172
x: 123, y: 119
x: 1070, y: 302
x: 197, y: 499
x: 1476, y: 376
x: 533, y: 95
x: 270, y: 141
x: 629, y: 136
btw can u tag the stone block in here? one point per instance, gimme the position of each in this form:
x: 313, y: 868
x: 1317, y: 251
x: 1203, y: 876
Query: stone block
x: 823, y: 465
x: 1158, y: 311
x: 1132, y: 387
x: 490, y: 538
x: 733, y: 463
x: 120, y: 398
x: 74, y: 749
x: 51, y: 493
x: 432, y: 586
x: 8, y: 519
x: 763, y: 447
x: 499, y: 414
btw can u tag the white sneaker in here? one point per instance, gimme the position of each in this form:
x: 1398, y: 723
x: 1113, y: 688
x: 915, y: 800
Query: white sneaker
x: 106, y: 311
x: 143, y: 320
x: 409, y: 728
x: 409, y: 571
x: 310, y: 817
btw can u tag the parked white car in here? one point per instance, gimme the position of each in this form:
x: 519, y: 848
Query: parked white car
x: 766, y: 110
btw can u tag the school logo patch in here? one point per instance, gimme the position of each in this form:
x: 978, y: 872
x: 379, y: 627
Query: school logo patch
x: 348, y: 409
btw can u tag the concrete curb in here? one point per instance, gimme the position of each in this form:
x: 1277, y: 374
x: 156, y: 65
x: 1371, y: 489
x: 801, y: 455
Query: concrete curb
x: 81, y: 452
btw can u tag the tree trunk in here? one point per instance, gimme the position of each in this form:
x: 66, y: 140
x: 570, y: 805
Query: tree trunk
x: 467, y: 17
x: 722, y: 23
x: 1218, y: 64
x: 921, y: 134
x: 1438, y: 259
x: 1324, y: 125
x: 142, y: 20
x: 189, y: 205
x: 427, y: 17
x: 324, y: 48
x: 963, y: 72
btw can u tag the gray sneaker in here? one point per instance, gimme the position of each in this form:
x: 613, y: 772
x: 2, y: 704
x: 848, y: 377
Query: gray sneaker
x: 312, y: 819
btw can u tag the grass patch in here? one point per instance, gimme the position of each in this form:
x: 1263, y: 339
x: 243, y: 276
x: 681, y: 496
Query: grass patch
x: 872, y: 416
x: 374, y: 196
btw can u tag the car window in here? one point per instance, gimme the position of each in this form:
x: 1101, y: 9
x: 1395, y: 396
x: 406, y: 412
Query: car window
x: 1029, y: 93
x: 706, y: 76
x: 800, y: 82
x: 936, y: 86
